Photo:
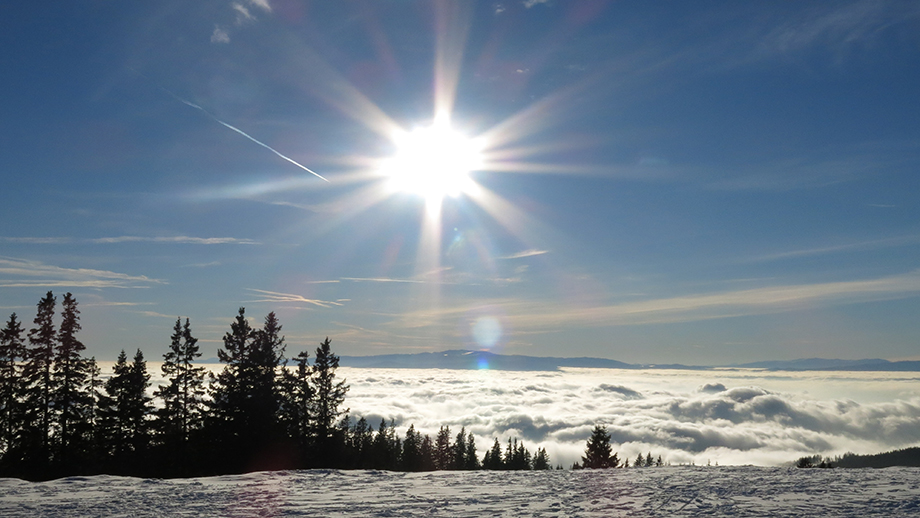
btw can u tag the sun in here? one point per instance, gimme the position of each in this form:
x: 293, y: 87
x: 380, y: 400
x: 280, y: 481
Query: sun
x: 433, y: 162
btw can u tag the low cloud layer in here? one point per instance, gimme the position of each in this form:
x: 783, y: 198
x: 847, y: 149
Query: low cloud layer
x: 729, y: 417
x: 738, y: 416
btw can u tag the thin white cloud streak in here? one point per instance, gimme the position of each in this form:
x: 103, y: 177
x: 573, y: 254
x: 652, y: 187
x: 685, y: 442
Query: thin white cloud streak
x: 156, y: 315
x: 860, y: 246
x: 528, y: 315
x: 526, y: 253
x: 184, y: 240
x: 116, y: 304
x: 201, y: 265
x: 262, y: 4
x: 382, y: 279
x: 274, y: 296
x: 243, y: 13
x: 56, y: 276
x: 845, y: 25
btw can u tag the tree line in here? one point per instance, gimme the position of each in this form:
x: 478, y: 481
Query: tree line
x: 59, y: 416
x: 903, y: 457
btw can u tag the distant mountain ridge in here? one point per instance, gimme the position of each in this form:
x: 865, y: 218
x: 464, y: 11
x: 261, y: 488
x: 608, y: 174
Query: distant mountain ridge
x: 823, y: 364
x: 459, y: 359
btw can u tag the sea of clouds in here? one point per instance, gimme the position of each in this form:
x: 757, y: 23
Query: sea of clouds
x: 724, y: 416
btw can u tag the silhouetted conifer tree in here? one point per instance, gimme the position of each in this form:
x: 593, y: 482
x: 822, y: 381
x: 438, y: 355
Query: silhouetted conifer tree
x: 182, y: 413
x: 362, y: 440
x: 124, y: 413
x: 458, y: 451
x: 471, y: 461
x: 12, y: 354
x: 72, y: 396
x: 541, y: 460
x: 330, y: 394
x: 39, y: 387
x: 640, y: 461
x: 597, y: 453
x: 411, y: 450
x: 493, y: 457
x: 426, y: 452
x: 385, y: 449
x: 443, y: 454
x: 297, y: 402
x: 227, y: 418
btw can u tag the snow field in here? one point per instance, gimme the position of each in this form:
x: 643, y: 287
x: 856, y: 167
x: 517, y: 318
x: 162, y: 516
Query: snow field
x: 650, y: 492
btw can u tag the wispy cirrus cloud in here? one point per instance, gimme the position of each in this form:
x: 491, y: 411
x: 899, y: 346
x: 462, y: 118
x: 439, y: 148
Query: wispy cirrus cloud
x: 525, y: 253
x: 847, y: 247
x: 535, y: 315
x: 274, y: 296
x: 243, y: 14
x: 182, y: 240
x: 33, y: 274
x: 382, y: 279
x: 843, y: 25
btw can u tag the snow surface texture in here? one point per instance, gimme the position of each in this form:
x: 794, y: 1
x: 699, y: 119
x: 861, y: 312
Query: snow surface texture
x: 670, y: 491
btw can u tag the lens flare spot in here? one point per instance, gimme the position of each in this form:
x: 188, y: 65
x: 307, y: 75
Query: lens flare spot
x: 487, y: 331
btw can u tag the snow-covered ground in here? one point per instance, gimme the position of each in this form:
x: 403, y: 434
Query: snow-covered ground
x: 669, y: 491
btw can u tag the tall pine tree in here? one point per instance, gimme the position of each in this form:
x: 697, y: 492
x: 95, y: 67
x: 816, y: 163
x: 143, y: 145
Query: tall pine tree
x: 72, y: 397
x: 39, y: 386
x: 12, y: 354
x: 183, y: 407
x: 330, y: 394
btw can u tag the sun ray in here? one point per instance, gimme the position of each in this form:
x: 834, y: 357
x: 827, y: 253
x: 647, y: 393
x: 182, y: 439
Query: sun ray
x: 453, y: 21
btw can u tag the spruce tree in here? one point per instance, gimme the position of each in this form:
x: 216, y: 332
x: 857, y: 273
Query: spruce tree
x: 296, y: 412
x: 426, y: 452
x: 362, y: 439
x: 471, y: 461
x: 227, y: 419
x: 39, y: 386
x: 493, y: 457
x: 541, y: 460
x: 385, y: 449
x: 597, y: 454
x: 458, y: 451
x: 72, y: 397
x: 411, y: 450
x: 330, y: 394
x: 262, y: 382
x: 124, y: 411
x: 12, y: 354
x: 183, y: 407
x: 443, y: 454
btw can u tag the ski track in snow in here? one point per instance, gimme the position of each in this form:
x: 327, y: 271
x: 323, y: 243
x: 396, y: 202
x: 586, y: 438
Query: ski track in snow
x: 649, y: 492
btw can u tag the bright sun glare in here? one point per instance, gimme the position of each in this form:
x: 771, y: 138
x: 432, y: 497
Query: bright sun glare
x: 433, y: 162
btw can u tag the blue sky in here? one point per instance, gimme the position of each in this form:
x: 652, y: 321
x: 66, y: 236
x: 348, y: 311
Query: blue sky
x: 661, y: 182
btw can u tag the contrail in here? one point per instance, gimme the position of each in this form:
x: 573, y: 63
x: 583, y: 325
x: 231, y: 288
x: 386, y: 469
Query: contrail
x: 243, y: 133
